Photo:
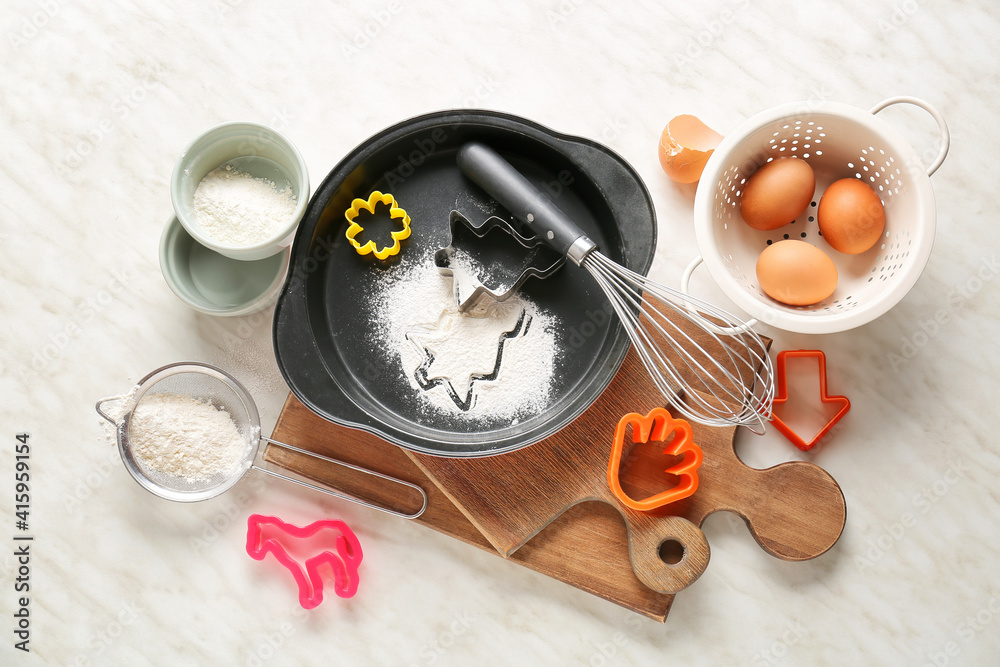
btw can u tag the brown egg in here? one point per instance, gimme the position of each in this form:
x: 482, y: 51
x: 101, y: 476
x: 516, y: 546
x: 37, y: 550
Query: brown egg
x: 796, y: 273
x: 851, y: 216
x: 777, y: 193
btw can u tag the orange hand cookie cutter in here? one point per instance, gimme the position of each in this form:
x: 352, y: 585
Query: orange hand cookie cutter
x: 781, y: 397
x: 395, y: 213
x: 657, y: 427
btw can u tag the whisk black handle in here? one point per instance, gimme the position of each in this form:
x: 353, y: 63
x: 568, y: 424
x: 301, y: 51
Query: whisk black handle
x: 507, y: 185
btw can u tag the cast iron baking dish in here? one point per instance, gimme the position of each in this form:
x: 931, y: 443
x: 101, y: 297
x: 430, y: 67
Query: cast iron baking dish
x: 324, y: 316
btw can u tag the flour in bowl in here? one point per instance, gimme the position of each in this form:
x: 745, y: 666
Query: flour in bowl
x: 236, y: 209
x: 182, y: 436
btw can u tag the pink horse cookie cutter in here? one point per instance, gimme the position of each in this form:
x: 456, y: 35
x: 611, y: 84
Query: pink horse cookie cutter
x: 289, y: 542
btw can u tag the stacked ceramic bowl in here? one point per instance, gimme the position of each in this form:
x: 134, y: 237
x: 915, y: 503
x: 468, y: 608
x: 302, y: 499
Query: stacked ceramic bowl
x: 239, y: 191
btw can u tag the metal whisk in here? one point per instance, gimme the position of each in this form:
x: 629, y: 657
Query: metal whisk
x: 724, y: 378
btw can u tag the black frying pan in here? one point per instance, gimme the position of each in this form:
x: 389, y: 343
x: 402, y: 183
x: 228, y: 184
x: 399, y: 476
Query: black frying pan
x: 322, y: 314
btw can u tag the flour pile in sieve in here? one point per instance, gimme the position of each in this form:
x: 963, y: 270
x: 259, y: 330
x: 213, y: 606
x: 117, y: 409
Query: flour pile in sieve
x: 182, y: 436
x: 495, y: 362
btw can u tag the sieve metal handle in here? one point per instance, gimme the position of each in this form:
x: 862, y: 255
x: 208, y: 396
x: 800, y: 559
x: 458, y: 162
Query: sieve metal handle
x: 719, y: 331
x: 338, y: 494
x: 942, y: 125
x: 101, y: 403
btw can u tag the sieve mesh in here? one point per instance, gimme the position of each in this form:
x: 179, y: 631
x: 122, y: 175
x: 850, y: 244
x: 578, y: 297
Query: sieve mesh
x: 206, y: 384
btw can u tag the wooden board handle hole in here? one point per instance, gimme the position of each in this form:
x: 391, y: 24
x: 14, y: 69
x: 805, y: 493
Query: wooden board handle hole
x: 671, y: 552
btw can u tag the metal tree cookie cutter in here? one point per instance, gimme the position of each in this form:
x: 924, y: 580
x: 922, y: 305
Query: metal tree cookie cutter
x: 395, y: 213
x: 344, y: 562
x: 208, y: 383
x: 782, y: 397
x: 492, y: 257
x: 657, y: 426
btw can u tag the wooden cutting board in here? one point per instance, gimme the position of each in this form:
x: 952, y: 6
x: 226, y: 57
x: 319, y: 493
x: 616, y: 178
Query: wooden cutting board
x: 584, y: 547
x: 794, y: 510
x: 531, y: 505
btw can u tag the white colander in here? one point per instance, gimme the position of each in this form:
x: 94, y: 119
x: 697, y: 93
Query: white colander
x: 838, y: 141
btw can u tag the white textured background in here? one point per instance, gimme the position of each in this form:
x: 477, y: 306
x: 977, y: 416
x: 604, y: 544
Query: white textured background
x: 98, y: 103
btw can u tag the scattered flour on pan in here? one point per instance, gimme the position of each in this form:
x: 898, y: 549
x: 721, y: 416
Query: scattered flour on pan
x: 495, y: 361
x: 182, y: 436
x: 236, y: 209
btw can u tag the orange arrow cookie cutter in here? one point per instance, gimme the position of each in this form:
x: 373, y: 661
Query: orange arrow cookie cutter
x: 781, y: 397
x: 395, y: 213
x: 657, y: 427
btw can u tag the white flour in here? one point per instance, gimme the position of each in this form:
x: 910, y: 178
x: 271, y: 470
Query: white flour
x: 451, y: 358
x: 236, y: 209
x: 182, y: 436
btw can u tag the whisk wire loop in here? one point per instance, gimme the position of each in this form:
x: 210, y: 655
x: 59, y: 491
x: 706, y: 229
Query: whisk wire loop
x: 734, y: 387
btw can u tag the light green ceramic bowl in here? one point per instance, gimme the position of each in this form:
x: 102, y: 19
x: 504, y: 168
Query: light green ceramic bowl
x: 213, y: 283
x: 251, y: 148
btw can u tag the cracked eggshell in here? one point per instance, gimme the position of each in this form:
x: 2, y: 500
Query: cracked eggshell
x: 686, y: 143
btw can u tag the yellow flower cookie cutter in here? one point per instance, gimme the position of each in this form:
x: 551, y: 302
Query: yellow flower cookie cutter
x: 395, y: 213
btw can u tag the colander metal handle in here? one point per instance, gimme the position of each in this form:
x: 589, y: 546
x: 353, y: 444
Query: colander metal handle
x: 720, y: 331
x: 319, y: 486
x: 942, y: 125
